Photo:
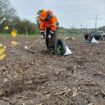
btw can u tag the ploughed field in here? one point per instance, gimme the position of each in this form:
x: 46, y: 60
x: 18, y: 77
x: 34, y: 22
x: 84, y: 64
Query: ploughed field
x: 41, y: 78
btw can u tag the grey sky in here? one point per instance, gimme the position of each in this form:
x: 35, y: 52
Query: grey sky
x: 70, y: 13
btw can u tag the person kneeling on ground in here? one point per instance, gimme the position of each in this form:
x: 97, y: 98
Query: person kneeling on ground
x: 89, y: 36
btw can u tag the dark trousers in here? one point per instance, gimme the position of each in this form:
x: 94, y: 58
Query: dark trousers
x: 50, y: 42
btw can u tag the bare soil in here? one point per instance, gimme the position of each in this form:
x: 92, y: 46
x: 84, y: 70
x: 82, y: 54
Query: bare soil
x: 41, y: 78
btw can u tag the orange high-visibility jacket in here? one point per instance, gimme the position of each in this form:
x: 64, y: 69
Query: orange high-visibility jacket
x: 50, y: 23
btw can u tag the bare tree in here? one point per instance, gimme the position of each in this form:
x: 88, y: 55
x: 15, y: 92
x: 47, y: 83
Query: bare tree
x: 6, y: 11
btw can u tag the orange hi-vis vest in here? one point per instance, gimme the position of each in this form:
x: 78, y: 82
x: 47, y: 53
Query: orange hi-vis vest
x: 50, y: 23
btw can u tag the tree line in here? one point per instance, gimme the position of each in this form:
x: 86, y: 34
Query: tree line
x: 8, y: 18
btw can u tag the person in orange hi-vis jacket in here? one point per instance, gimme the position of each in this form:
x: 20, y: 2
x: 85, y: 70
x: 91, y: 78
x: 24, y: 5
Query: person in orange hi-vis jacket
x: 48, y: 28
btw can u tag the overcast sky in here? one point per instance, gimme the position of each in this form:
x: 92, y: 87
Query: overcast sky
x: 70, y: 13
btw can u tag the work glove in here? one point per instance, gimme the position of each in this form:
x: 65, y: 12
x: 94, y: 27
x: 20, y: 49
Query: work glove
x: 42, y: 34
x: 51, y: 34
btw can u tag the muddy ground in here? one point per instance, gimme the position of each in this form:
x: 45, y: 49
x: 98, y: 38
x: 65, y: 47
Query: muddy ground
x: 41, y: 78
